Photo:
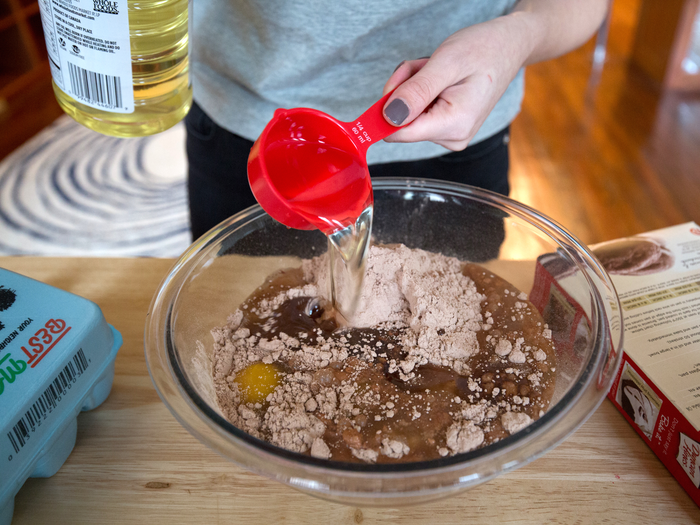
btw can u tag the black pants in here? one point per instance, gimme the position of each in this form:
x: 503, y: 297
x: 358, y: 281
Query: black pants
x: 218, y: 178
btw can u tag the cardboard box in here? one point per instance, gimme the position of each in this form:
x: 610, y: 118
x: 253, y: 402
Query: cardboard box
x: 657, y: 389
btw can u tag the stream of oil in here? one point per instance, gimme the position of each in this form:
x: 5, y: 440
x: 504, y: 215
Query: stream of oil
x: 347, y: 255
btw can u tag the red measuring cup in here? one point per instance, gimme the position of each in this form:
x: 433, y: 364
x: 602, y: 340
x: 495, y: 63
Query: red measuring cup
x: 308, y: 170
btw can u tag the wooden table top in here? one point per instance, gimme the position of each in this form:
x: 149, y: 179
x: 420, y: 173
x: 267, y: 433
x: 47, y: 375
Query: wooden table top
x: 134, y: 463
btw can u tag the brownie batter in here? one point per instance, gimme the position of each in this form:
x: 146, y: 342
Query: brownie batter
x: 441, y: 358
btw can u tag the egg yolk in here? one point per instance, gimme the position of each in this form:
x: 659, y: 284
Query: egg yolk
x: 257, y: 381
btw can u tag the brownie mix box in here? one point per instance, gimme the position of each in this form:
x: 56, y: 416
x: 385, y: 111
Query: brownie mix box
x: 657, y: 387
x: 657, y: 278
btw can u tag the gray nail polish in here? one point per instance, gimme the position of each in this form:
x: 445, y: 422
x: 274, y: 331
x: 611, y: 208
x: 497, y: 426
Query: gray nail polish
x: 397, y: 111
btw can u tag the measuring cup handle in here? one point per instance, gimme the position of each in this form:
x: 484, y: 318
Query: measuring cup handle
x: 371, y: 126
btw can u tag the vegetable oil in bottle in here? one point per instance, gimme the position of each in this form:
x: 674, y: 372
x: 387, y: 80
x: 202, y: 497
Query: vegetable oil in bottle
x: 119, y: 67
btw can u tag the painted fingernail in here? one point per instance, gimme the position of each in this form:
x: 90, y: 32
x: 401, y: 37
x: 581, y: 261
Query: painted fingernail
x: 397, y: 111
x: 401, y: 64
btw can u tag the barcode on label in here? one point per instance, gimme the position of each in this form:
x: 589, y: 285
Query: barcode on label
x: 48, y: 401
x: 97, y: 88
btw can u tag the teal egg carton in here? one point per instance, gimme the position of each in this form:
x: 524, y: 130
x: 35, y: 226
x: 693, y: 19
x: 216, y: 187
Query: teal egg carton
x: 57, y: 356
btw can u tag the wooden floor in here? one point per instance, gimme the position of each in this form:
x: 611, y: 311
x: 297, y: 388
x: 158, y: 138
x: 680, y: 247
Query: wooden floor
x: 29, y: 112
x: 605, y: 154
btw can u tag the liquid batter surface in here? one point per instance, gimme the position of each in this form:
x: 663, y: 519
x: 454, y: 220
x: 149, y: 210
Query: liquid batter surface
x: 442, y: 358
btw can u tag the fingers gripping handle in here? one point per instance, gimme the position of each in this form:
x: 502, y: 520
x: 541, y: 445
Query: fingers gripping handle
x: 371, y: 126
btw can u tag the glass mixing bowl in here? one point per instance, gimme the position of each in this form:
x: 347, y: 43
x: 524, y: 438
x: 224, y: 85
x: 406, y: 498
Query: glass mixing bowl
x: 560, y: 275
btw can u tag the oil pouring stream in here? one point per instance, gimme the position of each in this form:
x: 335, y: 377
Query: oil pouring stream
x: 347, y: 255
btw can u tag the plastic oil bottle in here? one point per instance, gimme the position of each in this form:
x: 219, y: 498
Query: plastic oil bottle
x: 119, y: 67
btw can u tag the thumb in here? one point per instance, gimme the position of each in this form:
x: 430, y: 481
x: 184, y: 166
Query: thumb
x: 414, y: 95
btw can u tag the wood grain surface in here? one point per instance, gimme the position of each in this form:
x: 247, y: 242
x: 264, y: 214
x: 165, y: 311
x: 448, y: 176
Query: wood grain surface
x: 134, y: 463
x: 605, y: 151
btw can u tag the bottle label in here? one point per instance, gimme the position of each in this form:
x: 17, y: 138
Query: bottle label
x: 89, y: 52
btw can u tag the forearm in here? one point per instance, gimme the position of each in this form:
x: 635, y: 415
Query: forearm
x: 555, y: 27
x: 468, y: 73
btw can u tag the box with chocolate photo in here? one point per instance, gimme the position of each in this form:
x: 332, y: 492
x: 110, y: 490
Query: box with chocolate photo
x: 657, y: 389
x: 657, y: 277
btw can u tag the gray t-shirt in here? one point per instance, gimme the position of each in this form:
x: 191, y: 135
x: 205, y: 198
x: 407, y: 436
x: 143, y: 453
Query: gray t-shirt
x: 249, y: 58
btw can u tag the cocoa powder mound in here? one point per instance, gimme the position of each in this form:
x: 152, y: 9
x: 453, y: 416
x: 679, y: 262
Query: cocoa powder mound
x: 426, y: 292
x: 352, y: 393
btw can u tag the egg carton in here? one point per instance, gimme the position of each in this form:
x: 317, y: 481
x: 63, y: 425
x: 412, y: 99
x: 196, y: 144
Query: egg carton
x: 57, y: 356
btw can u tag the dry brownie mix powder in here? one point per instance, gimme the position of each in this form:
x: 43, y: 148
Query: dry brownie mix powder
x: 442, y: 357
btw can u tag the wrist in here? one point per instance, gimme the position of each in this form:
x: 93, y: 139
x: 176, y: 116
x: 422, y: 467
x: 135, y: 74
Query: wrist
x: 528, y: 29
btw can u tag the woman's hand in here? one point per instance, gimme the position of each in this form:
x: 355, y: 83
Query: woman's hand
x: 447, y: 97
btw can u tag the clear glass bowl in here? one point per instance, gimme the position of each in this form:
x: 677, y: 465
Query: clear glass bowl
x: 535, y: 254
